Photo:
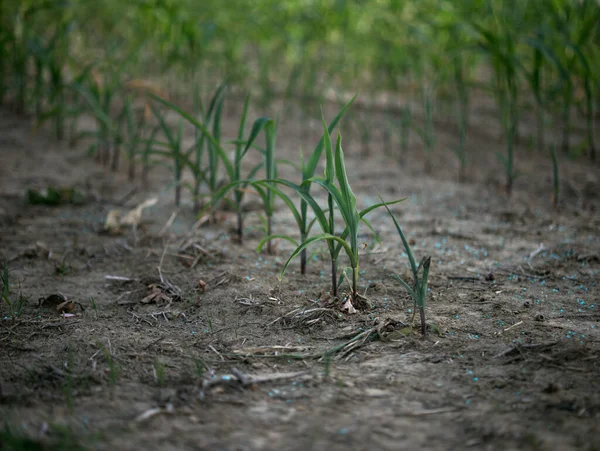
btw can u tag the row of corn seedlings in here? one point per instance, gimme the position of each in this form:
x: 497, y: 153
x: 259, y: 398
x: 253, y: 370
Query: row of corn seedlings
x: 341, y: 201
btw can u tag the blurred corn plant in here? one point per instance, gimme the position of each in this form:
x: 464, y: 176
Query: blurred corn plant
x: 172, y: 149
x: 418, y: 289
x: 499, y: 43
x: 131, y: 132
x: 427, y: 132
x: 462, y: 113
x: 207, y: 173
x: 232, y: 168
x: 99, y: 96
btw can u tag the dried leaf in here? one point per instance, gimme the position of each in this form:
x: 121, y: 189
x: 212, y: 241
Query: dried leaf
x: 66, y: 307
x: 134, y: 217
x: 157, y: 295
x: 348, y: 306
x: 113, y: 224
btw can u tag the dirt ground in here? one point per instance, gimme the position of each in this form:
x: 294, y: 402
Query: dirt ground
x: 222, y: 355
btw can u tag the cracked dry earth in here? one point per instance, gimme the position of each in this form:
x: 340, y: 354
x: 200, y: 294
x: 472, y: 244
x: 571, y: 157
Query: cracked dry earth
x: 232, y: 358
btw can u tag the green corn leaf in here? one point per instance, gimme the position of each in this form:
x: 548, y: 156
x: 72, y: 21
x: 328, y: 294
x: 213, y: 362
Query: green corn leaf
x: 329, y: 160
x: 319, y: 214
x: 313, y: 161
x: 314, y: 239
x: 241, y: 129
x: 257, y: 127
x: 192, y: 120
x: 423, y: 294
x: 406, y: 286
x: 411, y: 257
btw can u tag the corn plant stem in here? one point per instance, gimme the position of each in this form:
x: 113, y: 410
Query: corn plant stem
x: 303, y: 257
x: 354, y: 284
x: 177, y: 182
x: 540, y: 128
x: 423, y: 323
x: 334, y: 281
x: 269, y: 232
x: 566, y: 123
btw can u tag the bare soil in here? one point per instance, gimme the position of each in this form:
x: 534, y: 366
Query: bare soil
x: 226, y: 356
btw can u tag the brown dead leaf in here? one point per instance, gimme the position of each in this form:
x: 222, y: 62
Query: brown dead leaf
x: 66, y: 307
x: 157, y: 295
x: 201, y: 285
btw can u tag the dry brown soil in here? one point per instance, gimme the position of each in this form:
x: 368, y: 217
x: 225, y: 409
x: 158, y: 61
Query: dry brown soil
x: 511, y: 361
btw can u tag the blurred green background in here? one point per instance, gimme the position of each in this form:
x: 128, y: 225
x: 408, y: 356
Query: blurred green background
x: 527, y: 55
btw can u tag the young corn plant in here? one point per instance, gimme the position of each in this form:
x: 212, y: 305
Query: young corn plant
x: 270, y: 164
x: 536, y: 83
x: 232, y: 168
x: 427, y: 133
x: 135, y: 122
x: 308, y: 169
x: 99, y: 98
x: 418, y: 290
x: 172, y: 149
x: 212, y: 113
x: 339, y: 195
x: 500, y: 46
x: 462, y: 107
x: 147, y: 153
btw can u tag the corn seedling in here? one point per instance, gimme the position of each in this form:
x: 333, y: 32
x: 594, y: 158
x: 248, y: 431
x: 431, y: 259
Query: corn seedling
x: 500, y: 46
x: 172, y: 149
x: 213, y: 113
x: 308, y: 169
x: 147, y: 153
x: 534, y: 78
x: 132, y: 134
x: 160, y: 372
x: 462, y: 116
x: 340, y: 195
x: 99, y: 98
x: 232, y: 168
x: 236, y: 182
x: 427, y: 131
x: 418, y: 290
